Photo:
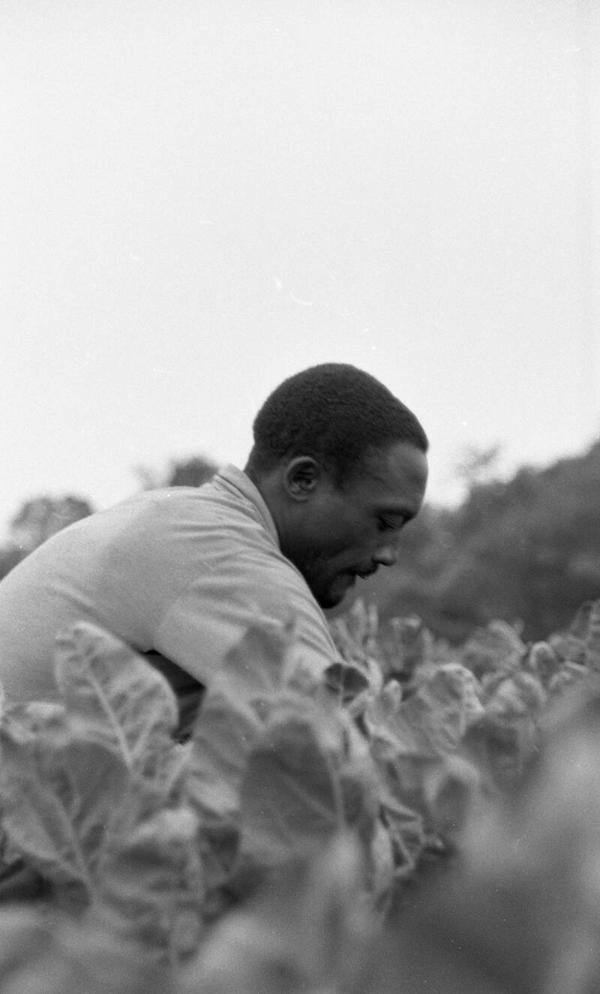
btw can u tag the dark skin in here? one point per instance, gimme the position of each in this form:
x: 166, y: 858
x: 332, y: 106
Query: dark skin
x: 334, y: 533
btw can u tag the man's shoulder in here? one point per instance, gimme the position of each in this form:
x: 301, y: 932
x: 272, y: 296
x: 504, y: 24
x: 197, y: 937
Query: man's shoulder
x: 228, y: 500
x: 182, y: 531
x: 229, y: 494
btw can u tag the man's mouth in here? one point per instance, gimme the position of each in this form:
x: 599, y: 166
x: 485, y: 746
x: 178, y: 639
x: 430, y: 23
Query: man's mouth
x: 364, y: 574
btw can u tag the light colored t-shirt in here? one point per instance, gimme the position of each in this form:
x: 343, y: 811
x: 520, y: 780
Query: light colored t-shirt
x: 182, y: 571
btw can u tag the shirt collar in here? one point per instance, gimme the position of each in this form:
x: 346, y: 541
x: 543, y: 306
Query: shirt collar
x: 234, y: 478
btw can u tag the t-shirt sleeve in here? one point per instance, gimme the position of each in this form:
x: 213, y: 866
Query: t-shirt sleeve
x: 215, y: 611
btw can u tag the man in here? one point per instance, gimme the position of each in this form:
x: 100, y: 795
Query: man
x: 338, y: 467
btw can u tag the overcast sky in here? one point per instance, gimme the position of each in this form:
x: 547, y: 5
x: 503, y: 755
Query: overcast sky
x: 201, y: 198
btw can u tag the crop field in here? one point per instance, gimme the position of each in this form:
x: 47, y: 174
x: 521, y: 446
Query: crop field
x: 424, y: 818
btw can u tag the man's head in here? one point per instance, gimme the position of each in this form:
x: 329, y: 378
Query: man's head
x: 341, y: 464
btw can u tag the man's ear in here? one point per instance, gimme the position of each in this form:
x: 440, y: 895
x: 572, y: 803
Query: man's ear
x: 300, y: 477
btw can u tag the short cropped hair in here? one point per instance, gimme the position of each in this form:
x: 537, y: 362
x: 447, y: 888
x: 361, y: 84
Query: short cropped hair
x: 335, y: 413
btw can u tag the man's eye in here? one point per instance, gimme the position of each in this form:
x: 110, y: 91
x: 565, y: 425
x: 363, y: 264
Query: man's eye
x: 391, y: 525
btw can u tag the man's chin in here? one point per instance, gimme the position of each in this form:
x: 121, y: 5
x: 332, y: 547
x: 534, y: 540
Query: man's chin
x: 327, y: 601
x: 335, y: 592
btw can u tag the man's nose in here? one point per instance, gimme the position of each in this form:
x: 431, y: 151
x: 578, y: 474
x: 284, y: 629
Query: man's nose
x: 386, y: 555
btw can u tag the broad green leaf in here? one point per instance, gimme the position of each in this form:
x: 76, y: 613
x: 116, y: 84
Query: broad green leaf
x: 451, y: 789
x: 231, y: 721
x: 355, y: 638
x: 254, y: 669
x: 405, y: 829
x: 302, y: 784
x: 501, y: 748
x: 224, y: 735
x: 496, y: 647
x: 23, y: 936
x: 34, y: 716
x: 114, y: 691
x: 429, y: 722
x: 444, y: 704
x: 357, y: 628
x: 518, y: 696
x: 308, y: 932
x: 395, y: 730
x: 405, y: 646
x: 580, y: 625
x: 592, y: 642
x: 407, y: 749
x: 234, y: 710
x: 45, y: 952
x: 151, y: 889
x: 569, y: 648
x: 291, y: 796
x: 60, y: 797
x: 543, y: 662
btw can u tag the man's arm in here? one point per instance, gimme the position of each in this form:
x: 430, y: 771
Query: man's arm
x: 214, y: 613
